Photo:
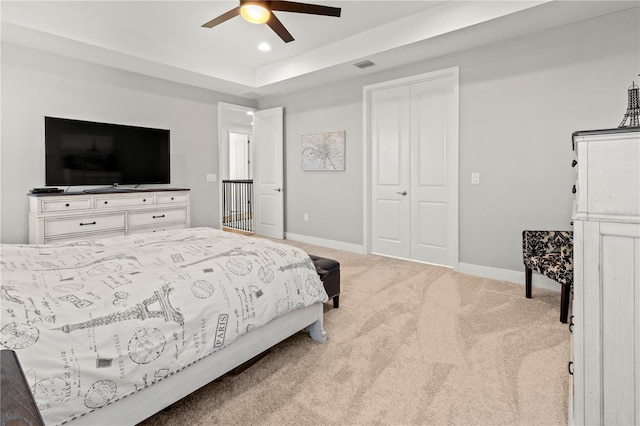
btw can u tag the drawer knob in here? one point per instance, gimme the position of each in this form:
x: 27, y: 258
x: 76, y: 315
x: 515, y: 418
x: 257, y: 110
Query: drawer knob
x: 66, y: 205
x: 144, y: 200
x: 570, y: 367
x: 171, y: 198
x: 87, y: 223
x: 159, y: 216
x: 574, y: 163
x: 573, y: 189
x: 106, y: 202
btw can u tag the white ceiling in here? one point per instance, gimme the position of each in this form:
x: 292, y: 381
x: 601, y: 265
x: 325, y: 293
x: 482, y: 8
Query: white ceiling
x: 165, y: 38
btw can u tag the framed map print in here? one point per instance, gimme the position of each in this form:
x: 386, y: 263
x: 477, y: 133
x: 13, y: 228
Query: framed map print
x: 323, y: 151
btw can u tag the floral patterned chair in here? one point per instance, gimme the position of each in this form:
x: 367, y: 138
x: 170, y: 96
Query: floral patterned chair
x: 551, y: 254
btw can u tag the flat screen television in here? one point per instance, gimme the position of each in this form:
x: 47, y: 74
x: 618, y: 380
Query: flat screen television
x: 81, y: 153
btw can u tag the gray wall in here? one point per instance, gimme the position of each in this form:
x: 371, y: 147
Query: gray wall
x: 520, y: 101
x: 35, y: 84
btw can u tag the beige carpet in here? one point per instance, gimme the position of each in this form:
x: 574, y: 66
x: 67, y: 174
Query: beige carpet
x: 410, y: 344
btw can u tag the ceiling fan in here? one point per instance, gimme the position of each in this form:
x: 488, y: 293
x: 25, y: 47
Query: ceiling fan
x: 260, y: 12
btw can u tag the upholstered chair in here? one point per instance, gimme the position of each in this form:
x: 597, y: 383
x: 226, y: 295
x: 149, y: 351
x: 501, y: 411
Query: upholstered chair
x: 551, y: 254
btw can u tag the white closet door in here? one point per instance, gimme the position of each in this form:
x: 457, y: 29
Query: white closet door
x: 413, y: 132
x: 391, y: 179
x: 432, y: 126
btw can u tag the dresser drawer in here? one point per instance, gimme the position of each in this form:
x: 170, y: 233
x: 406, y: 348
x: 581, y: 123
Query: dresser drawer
x: 119, y: 202
x: 88, y: 236
x: 179, y: 198
x: 58, y: 205
x: 84, y: 224
x: 608, y: 176
x: 157, y: 217
x: 146, y: 230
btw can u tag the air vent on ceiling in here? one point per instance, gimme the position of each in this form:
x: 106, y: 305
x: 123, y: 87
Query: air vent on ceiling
x: 364, y: 64
x: 251, y: 95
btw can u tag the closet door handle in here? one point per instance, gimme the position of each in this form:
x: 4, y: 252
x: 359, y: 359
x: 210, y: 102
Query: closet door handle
x: 278, y: 189
x: 403, y: 193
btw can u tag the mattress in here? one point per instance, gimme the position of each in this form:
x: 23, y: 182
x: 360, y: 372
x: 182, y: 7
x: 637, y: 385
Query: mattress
x: 95, y: 321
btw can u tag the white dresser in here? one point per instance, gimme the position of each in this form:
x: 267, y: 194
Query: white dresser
x: 606, y: 305
x: 79, y: 215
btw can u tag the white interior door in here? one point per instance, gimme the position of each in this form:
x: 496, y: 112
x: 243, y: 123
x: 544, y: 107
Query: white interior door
x: 433, y: 125
x: 268, y: 169
x: 412, y: 128
x: 391, y: 179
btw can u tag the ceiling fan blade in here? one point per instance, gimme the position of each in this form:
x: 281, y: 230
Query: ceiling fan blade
x: 279, y: 29
x: 222, y: 18
x: 313, y: 9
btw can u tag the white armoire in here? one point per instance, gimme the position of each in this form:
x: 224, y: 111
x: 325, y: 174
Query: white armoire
x: 606, y: 305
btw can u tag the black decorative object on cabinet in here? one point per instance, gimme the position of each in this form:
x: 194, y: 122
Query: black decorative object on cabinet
x: 633, y: 109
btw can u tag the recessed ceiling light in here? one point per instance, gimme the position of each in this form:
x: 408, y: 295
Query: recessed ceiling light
x: 264, y: 47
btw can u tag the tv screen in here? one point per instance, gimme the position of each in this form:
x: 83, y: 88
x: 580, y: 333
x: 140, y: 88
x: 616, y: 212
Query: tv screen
x: 88, y: 153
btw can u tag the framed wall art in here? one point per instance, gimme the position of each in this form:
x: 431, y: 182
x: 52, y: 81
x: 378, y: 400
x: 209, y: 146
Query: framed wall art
x: 323, y: 151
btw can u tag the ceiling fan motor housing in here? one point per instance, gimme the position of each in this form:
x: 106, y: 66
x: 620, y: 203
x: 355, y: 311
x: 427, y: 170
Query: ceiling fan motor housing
x: 261, y: 12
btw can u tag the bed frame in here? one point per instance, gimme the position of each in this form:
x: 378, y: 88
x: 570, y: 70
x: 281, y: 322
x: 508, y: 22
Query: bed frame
x: 143, y: 404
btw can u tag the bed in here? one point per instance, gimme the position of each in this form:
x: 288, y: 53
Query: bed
x: 111, y: 331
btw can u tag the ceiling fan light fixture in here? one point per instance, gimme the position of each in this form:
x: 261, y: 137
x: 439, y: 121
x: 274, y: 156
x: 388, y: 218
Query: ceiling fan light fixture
x: 255, y: 13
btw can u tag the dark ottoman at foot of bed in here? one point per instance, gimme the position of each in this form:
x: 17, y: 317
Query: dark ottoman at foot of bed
x: 329, y: 271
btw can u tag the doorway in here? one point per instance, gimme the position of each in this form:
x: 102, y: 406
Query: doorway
x: 235, y: 169
x: 251, y: 168
x: 411, y: 168
x: 239, y: 156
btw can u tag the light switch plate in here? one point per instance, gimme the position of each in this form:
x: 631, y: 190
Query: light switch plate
x: 211, y: 177
x: 475, y: 178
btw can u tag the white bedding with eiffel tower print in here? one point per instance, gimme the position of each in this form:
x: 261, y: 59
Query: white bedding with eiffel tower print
x: 94, y: 321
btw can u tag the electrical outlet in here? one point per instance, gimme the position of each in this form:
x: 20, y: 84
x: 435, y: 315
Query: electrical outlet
x: 306, y: 217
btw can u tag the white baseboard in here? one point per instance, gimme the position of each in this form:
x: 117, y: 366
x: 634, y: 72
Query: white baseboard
x: 338, y: 245
x: 516, y: 277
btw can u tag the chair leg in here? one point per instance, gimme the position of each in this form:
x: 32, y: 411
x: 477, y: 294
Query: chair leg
x: 336, y: 301
x: 527, y: 284
x: 564, y: 303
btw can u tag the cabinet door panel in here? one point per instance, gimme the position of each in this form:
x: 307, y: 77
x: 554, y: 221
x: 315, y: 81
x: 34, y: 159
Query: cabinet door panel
x: 591, y: 322
x: 617, y: 324
x: 620, y: 320
x: 611, y: 322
